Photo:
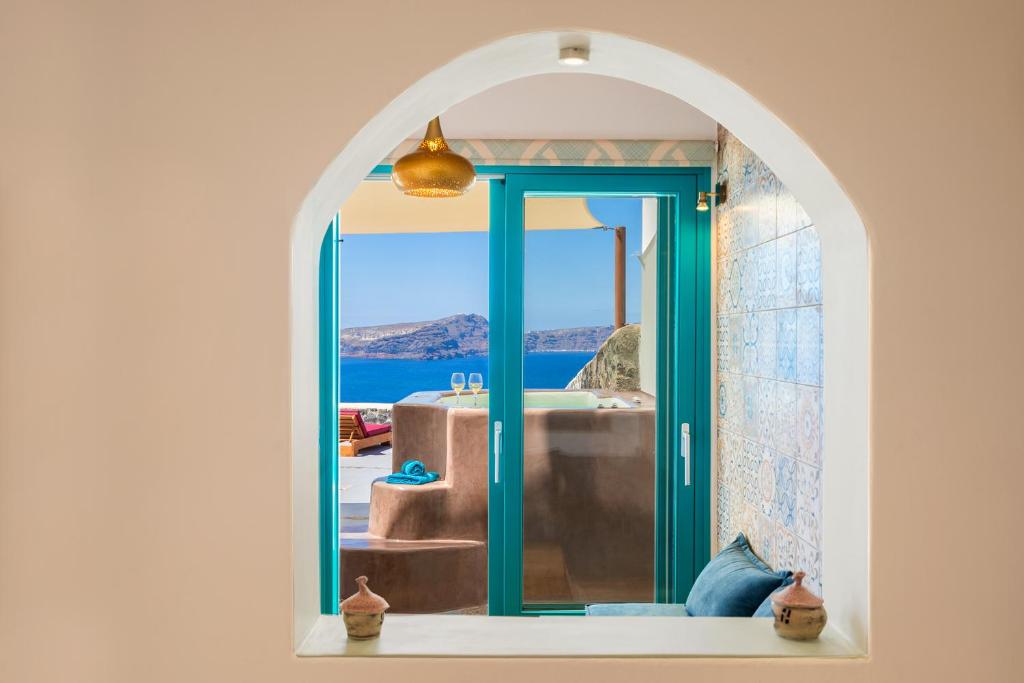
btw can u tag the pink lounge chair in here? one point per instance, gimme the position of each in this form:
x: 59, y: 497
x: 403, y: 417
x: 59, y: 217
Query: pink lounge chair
x: 355, y: 435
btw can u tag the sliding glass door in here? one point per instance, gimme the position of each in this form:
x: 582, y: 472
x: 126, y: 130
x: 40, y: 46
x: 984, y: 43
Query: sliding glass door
x: 599, y: 425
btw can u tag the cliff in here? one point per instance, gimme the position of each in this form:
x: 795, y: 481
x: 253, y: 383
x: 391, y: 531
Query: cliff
x: 615, y: 366
x: 456, y: 336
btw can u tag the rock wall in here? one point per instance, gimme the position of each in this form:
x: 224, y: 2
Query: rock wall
x: 375, y: 413
x: 615, y: 366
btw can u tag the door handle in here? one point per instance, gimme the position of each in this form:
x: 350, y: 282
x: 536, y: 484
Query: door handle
x: 497, y: 451
x: 684, y: 448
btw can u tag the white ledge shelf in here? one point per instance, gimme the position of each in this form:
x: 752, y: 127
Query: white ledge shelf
x: 481, y: 636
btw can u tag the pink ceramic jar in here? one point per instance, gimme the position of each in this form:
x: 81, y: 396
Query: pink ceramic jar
x: 799, y: 614
x: 363, y: 612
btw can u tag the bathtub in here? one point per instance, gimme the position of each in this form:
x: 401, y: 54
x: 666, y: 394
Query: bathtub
x: 556, y: 400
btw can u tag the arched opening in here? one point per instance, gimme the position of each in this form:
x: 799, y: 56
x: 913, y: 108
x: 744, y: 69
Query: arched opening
x: 844, y: 258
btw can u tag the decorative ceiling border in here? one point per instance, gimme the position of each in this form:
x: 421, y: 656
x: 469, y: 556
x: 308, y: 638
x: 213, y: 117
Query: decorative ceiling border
x: 577, y: 152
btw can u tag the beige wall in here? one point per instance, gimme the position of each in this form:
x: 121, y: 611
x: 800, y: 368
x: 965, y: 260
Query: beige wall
x: 151, y: 163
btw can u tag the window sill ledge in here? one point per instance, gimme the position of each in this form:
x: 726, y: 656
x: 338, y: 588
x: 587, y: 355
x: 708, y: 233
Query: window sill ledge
x: 480, y: 636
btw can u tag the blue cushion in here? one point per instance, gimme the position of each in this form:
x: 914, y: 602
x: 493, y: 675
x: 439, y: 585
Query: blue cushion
x: 765, y: 610
x: 733, y: 584
x: 636, y: 609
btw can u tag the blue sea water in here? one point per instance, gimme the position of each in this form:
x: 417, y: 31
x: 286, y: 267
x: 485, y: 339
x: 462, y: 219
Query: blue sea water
x: 372, y: 380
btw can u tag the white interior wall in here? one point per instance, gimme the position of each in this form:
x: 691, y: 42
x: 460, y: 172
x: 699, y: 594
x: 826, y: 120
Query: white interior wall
x: 649, y: 295
x: 549, y: 107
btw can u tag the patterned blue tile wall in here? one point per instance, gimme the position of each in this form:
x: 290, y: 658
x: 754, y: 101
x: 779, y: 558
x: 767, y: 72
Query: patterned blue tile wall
x: 769, y: 337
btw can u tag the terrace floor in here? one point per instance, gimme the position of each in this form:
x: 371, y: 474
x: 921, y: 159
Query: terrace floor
x: 355, y: 478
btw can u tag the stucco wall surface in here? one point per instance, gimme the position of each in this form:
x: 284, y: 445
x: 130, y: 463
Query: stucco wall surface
x: 152, y: 159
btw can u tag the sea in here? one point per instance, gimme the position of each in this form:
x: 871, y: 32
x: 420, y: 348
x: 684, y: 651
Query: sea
x: 375, y: 380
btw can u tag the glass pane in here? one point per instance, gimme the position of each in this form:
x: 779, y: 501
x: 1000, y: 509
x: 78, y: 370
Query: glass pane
x: 412, y: 441
x: 589, y: 423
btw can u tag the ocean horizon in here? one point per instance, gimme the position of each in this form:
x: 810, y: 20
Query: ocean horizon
x: 389, y: 380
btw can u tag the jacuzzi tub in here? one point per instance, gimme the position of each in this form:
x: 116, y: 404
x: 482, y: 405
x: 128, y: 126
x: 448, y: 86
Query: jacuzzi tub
x: 554, y: 400
x: 588, y: 485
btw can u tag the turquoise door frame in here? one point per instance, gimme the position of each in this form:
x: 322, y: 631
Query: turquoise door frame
x: 688, y: 523
x: 328, y: 435
x: 682, y: 542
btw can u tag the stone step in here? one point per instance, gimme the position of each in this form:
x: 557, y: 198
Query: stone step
x: 416, y: 577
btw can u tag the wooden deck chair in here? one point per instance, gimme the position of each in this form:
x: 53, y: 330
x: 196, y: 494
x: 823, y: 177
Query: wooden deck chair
x: 354, y: 435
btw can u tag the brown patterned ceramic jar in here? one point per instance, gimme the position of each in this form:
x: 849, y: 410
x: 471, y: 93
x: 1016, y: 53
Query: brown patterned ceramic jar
x: 363, y: 612
x: 799, y: 614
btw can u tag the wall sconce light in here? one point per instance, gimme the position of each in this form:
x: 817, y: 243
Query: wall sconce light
x: 720, y: 194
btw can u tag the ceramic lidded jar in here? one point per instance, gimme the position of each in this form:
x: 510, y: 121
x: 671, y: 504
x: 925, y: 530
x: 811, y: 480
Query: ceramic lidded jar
x: 363, y: 612
x: 799, y: 614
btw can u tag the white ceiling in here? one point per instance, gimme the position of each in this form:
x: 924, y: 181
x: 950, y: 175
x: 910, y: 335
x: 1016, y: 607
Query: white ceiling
x: 576, y: 107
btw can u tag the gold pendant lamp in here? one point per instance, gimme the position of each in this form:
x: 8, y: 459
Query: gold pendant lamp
x: 433, y: 170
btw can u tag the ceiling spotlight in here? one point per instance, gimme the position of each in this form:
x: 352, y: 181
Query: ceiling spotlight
x: 574, y: 56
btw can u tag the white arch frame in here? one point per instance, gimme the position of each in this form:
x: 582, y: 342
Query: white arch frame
x: 844, y: 254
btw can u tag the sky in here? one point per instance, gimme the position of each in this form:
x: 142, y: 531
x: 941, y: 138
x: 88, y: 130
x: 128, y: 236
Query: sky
x: 569, y: 273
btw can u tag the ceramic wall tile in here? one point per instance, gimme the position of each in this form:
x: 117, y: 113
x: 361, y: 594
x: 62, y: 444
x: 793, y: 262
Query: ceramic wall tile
x: 724, y: 388
x: 785, y: 547
x: 808, y: 345
x: 808, y: 267
x: 751, y: 414
x: 763, y: 541
x: 766, y: 482
x: 722, y: 342
x: 720, y: 429
x: 770, y: 367
x: 740, y: 510
x: 736, y: 343
x: 744, y: 225
x: 765, y: 353
x: 724, y: 512
x: 786, y: 211
x: 767, y: 281
x: 735, y: 283
x: 809, y: 414
x: 785, y: 279
x: 728, y: 443
x: 724, y: 233
x: 766, y: 411
x: 767, y: 191
x: 731, y: 409
x: 723, y: 300
x: 785, y: 491
x: 808, y: 559
x: 786, y: 417
x: 808, y: 503
x: 747, y: 296
x: 751, y: 330
x: 750, y: 458
x: 785, y: 345
x: 736, y: 403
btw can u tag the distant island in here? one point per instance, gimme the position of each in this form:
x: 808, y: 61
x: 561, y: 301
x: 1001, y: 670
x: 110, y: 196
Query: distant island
x: 456, y: 336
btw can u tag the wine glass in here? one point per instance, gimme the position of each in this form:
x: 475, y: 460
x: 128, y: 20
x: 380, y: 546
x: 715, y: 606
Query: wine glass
x: 458, y: 383
x: 476, y: 383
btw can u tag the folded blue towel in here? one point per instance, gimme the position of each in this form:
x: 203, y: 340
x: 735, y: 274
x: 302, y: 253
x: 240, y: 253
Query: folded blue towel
x: 412, y: 472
